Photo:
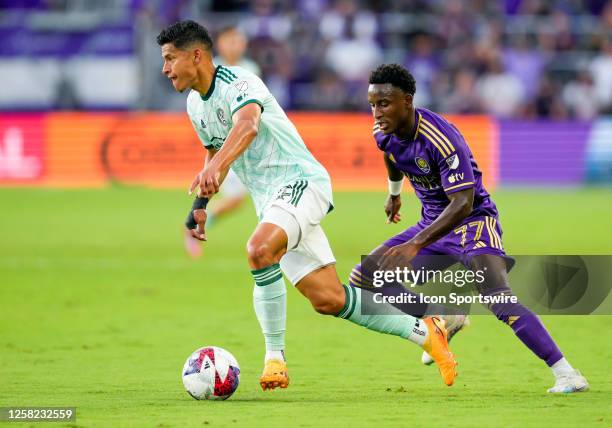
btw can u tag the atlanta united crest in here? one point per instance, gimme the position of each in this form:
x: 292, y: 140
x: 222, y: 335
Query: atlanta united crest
x: 221, y: 116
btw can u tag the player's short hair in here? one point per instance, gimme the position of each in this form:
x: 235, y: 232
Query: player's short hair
x: 183, y: 33
x: 396, y: 75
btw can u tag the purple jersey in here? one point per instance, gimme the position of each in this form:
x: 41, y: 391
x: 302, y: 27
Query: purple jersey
x: 438, y: 162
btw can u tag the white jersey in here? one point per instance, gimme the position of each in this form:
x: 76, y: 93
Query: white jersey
x: 277, y: 157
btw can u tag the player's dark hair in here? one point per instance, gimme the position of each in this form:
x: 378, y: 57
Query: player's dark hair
x: 183, y: 33
x: 396, y: 75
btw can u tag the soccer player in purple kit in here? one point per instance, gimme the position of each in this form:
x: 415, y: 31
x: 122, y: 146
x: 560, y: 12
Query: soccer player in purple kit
x: 458, y: 217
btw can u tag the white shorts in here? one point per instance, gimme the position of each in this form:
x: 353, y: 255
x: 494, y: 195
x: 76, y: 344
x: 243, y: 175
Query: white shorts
x: 232, y: 187
x: 298, y: 209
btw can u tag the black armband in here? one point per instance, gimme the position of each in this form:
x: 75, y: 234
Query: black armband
x: 198, y: 204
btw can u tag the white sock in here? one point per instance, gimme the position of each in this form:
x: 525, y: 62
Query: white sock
x: 275, y: 355
x: 270, y: 303
x: 419, y: 333
x: 561, y: 368
x: 361, y: 309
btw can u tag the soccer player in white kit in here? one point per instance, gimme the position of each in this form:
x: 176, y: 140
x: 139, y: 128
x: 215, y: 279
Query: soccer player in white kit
x: 242, y: 126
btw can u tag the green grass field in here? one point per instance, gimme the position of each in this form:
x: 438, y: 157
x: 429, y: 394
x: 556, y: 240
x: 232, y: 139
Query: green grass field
x: 100, y: 307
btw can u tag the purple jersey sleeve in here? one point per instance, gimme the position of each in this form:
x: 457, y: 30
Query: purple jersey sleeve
x: 455, y: 164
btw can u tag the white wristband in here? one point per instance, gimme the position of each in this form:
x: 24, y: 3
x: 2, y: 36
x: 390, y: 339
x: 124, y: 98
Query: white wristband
x: 395, y: 187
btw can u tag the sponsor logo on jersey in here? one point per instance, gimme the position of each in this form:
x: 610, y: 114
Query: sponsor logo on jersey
x: 455, y: 177
x: 422, y: 164
x: 453, y: 161
x: 221, y: 116
x: 425, y: 182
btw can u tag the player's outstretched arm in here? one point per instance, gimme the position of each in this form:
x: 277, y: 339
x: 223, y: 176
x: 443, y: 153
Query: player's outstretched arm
x: 245, y: 129
x: 458, y: 209
x: 394, y: 202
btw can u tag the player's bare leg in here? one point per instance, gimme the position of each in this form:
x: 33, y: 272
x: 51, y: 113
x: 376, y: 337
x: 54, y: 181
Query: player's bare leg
x: 265, y: 248
x: 329, y: 296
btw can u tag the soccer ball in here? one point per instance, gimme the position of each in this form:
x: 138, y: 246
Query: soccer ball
x: 211, y: 373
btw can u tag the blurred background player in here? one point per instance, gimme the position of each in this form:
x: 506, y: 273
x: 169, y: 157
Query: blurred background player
x: 231, y: 45
x: 458, y: 217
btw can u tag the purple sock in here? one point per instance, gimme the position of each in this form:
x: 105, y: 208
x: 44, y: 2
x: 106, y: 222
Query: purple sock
x: 527, y: 327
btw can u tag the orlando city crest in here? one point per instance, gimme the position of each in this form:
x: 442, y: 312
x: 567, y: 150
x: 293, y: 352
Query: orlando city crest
x: 422, y: 164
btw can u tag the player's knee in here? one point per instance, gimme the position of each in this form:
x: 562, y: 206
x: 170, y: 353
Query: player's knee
x: 260, y: 255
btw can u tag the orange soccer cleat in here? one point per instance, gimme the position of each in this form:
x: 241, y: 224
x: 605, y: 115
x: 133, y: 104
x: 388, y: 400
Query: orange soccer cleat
x: 436, y: 345
x: 275, y: 374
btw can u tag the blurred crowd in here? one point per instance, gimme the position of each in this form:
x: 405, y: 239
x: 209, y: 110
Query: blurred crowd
x: 511, y: 58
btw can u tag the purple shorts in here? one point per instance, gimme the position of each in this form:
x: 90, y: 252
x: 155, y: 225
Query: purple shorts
x: 475, y: 236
